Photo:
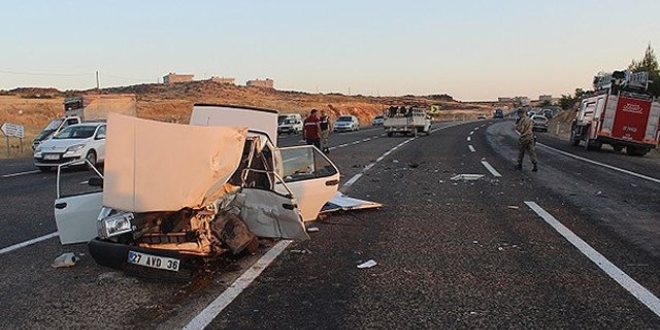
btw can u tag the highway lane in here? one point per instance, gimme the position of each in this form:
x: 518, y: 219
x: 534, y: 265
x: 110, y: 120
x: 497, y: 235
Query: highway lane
x: 452, y: 254
x: 430, y: 272
x: 33, y: 294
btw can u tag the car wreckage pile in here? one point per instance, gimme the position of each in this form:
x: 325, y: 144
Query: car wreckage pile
x: 177, y: 196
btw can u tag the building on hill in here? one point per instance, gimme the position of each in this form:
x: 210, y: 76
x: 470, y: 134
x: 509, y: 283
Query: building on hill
x: 223, y: 80
x: 173, y: 78
x: 268, y: 83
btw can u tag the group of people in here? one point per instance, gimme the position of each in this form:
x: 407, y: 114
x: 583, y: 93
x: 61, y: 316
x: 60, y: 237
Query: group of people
x: 316, y: 130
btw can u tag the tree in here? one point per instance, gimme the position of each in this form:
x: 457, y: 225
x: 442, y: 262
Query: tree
x: 568, y: 101
x: 649, y: 64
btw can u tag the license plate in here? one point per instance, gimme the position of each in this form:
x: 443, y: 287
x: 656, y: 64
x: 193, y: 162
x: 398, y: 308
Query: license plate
x: 148, y: 260
x: 51, y: 156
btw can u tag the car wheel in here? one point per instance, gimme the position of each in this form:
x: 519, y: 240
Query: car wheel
x: 91, y: 158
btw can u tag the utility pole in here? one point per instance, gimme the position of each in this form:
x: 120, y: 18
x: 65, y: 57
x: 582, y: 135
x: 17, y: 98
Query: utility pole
x: 98, y: 86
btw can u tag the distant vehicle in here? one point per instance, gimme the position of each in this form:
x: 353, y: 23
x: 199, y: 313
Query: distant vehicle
x: 78, y: 109
x: 289, y: 123
x: 407, y: 121
x: 347, y: 124
x: 498, y: 114
x: 481, y: 117
x: 548, y: 113
x: 540, y: 123
x: 621, y: 113
x: 72, y: 145
x: 378, y: 121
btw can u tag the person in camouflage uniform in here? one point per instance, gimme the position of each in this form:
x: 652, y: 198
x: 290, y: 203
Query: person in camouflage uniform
x: 526, y: 142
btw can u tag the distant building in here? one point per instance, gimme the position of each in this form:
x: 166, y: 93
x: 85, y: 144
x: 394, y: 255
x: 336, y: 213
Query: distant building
x: 504, y: 99
x: 522, y: 100
x: 173, y: 78
x: 268, y: 83
x: 545, y: 98
x: 223, y: 80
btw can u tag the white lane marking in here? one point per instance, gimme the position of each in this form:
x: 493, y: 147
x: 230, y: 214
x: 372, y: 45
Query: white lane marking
x: 491, y: 169
x: 636, y: 289
x: 205, y: 317
x: 472, y: 132
x: 352, y: 180
x: 469, y: 139
x: 483, y: 125
x: 27, y: 243
x: 641, y: 176
x: 477, y: 128
x: 471, y: 148
x: 20, y: 173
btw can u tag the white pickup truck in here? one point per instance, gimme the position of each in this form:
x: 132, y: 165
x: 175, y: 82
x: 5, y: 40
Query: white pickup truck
x: 407, y: 121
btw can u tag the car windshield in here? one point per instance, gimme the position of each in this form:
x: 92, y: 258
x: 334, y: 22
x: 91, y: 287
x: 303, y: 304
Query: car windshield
x: 55, y: 124
x: 44, y: 134
x: 76, y: 132
x: 282, y: 119
x: 345, y: 119
x: 539, y: 119
x: 378, y: 118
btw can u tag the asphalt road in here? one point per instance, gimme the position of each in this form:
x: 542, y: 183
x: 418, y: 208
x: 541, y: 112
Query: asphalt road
x: 450, y: 254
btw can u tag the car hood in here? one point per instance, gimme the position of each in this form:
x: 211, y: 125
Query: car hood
x: 156, y: 166
x: 59, y: 145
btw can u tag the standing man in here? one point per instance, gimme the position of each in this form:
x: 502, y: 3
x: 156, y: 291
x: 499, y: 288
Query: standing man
x: 526, y: 141
x: 324, y: 123
x: 312, y: 129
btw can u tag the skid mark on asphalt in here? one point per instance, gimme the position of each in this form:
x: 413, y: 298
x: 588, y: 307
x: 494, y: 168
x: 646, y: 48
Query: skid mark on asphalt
x: 637, y: 290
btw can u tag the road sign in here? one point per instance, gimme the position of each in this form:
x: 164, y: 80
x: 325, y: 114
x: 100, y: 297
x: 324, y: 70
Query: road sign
x: 435, y: 109
x: 13, y: 130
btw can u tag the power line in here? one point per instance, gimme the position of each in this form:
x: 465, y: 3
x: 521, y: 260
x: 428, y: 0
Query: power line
x: 124, y: 78
x: 46, y: 74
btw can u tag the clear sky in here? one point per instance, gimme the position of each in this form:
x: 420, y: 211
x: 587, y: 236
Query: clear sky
x: 472, y: 50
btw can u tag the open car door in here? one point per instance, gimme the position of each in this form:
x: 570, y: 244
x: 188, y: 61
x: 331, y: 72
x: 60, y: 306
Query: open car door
x: 76, y: 214
x: 310, y: 176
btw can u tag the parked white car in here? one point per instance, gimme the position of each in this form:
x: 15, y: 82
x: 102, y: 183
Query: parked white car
x: 347, y: 124
x: 72, y: 146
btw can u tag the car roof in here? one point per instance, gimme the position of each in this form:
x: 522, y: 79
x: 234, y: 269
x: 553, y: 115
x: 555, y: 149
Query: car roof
x: 90, y: 124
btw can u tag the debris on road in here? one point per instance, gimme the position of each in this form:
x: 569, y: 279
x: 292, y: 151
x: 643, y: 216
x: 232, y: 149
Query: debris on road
x: 68, y: 259
x: 367, y: 264
x: 467, y: 177
x: 312, y: 229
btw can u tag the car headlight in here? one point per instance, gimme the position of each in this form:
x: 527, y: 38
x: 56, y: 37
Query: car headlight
x: 113, y: 223
x: 73, y: 149
x: 38, y: 149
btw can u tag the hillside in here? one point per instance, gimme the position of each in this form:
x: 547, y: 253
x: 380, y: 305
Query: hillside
x: 35, y: 107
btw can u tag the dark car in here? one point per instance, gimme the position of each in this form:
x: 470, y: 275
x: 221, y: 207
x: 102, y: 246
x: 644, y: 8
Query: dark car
x: 498, y: 113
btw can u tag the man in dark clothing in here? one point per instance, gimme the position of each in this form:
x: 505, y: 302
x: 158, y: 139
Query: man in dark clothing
x: 312, y: 129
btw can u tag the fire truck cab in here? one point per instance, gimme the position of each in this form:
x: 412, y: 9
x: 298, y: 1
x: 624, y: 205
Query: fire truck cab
x: 620, y: 113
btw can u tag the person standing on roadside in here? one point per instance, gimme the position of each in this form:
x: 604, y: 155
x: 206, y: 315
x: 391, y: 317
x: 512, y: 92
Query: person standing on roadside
x: 312, y: 129
x: 526, y: 141
x: 324, y: 123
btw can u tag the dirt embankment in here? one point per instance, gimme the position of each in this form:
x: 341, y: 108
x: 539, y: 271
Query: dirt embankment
x: 35, y: 108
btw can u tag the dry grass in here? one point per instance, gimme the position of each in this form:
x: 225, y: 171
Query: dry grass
x: 173, y: 103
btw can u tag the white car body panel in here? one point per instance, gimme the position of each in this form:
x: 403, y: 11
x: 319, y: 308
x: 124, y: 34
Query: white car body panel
x: 261, y: 120
x: 75, y: 217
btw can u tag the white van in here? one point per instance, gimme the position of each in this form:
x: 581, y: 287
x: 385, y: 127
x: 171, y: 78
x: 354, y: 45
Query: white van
x: 289, y: 123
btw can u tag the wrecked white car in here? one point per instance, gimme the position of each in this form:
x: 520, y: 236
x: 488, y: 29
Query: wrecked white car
x: 176, y: 195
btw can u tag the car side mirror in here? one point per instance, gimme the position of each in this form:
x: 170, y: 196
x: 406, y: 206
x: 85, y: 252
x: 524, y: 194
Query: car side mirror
x: 100, y: 136
x: 95, y: 182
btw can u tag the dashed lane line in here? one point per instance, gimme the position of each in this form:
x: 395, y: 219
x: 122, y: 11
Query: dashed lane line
x: 491, y: 169
x: 637, y: 290
x: 471, y: 148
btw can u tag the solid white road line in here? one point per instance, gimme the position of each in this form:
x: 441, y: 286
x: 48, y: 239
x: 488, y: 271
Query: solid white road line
x: 204, y: 318
x: 20, y: 173
x: 641, y: 176
x: 491, y: 169
x: 471, y: 148
x: 637, y: 290
x: 27, y: 243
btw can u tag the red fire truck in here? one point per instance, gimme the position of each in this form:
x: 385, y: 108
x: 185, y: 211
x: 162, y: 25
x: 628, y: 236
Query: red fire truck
x: 620, y: 113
